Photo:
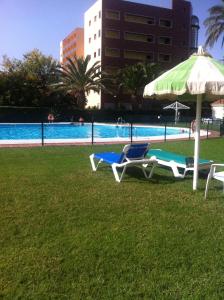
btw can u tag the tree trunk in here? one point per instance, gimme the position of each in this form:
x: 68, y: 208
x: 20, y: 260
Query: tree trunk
x: 81, y: 101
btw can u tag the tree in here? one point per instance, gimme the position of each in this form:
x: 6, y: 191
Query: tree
x: 79, y: 79
x: 215, y: 25
x: 113, y: 85
x: 26, y: 81
x: 40, y: 67
x: 11, y: 65
x: 135, y: 77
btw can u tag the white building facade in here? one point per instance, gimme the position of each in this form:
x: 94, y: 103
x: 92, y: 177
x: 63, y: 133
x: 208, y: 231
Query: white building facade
x: 119, y: 33
x: 93, y: 43
x: 218, y: 109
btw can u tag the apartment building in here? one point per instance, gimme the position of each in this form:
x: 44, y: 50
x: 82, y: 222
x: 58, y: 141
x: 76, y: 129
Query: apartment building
x: 119, y: 33
x: 72, y: 45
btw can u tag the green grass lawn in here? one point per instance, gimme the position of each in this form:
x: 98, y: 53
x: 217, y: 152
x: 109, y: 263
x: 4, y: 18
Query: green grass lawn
x: 69, y: 233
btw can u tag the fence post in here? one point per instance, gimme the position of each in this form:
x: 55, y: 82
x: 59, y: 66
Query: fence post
x: 189, y: 131
x: 42, y: 133
x: 207, y: 128
x: 221, y: 127
x: 92, y: 141
x: 165, y: 133
x: 131, y: 131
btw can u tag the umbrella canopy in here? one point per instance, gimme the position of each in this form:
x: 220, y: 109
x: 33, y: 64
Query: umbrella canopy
x: 176, y: 106
x: 199, y: 75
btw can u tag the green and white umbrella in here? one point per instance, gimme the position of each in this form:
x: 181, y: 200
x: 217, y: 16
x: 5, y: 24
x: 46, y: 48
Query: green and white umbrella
x: 199, y: 75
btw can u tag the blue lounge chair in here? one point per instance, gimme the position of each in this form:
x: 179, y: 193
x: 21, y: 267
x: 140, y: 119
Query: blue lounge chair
x: 179, y: 164
x: 132, y: 155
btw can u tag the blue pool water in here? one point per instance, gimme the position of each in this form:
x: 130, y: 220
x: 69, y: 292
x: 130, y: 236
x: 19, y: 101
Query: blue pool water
x: 76, y: 131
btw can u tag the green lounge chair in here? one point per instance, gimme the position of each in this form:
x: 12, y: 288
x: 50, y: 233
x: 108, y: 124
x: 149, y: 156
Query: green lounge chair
x: 179, y: 164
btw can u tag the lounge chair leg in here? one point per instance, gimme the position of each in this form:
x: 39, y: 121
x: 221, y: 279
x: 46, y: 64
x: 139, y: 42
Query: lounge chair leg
x: 91, y: 157
x: 151, y: 171
x: 206, y: 189
x: 144, y: 172
x: 176, y: 173
x: 122, y: 174
x: 116, y: 175
x: 94, y: 166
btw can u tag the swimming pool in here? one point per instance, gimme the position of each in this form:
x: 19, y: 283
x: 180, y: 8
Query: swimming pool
x: 74, y: 132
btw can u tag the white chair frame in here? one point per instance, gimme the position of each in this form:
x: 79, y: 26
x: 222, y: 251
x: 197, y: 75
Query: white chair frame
x: 141, y: 162
x: 176, y: 166
x: 214, y: 175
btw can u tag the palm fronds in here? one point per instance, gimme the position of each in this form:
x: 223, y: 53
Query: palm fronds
x: 78, y: 79
x: 215, y: 25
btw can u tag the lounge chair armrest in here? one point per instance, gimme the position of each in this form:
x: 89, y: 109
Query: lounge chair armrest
x: 144, y: 161
x: 213, y: 168
x: 217, y: 165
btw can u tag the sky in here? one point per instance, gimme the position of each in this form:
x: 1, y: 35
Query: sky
x: 42, y: 24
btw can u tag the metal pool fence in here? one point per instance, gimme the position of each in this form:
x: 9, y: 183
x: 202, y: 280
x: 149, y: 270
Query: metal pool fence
x: 12, y: 136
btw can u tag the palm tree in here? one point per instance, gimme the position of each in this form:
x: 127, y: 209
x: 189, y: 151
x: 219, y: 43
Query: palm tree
x: 113, y: 85
x: 78, y: 79
x: 135, y: 77
x: 215, y: 25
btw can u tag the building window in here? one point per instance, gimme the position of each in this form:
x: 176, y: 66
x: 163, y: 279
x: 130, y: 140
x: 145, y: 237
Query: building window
x: 111, y: 69
x: 113, y: 34
x: 95, y: 19
x: 89, y: 40
x: 99, y: 14
x: 165, y: 23
x: 94, y: 54
x: 138, y: 55
x: 164, y: 40
x: 95, y: 36
x: 139, y: 37
x: 164, y: 57
x: 139, y: 19
x: 89, y: 22
x: 112, y: 14
x: 112, y: 52
x: 99, y: 33
x: 99, y: 52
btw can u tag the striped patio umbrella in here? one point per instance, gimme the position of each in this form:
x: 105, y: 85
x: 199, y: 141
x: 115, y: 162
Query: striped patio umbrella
x: 199, y: 75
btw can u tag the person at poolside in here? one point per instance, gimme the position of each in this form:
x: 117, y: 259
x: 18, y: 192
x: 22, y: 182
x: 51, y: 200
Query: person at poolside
x: 193, y: 126
x: 81, y: 121
x: 72, y: 120
x: 50, y: 118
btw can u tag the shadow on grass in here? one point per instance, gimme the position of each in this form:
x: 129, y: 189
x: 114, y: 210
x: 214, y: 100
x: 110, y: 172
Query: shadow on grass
x: 133, y: 173
x: 162, y: 175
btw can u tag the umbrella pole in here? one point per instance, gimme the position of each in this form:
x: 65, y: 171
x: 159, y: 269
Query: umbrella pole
x: 197, y: 141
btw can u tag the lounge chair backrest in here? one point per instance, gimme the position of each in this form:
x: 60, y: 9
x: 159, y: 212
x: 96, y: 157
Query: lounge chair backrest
x: 134, y: 152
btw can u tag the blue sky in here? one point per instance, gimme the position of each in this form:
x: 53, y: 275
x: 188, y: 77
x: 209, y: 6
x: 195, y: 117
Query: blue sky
x: 42, y: 24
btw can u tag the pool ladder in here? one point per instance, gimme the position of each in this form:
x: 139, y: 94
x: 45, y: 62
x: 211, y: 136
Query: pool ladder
x: 120, y: 121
